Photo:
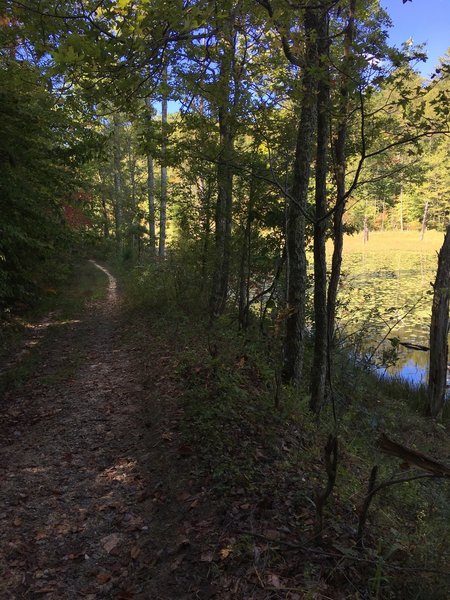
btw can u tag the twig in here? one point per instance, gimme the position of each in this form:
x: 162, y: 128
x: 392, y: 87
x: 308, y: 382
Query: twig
x: 331, y: 458
x: 366, y: 505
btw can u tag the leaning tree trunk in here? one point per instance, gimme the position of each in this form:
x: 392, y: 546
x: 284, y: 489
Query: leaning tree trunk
x: 319, y: 368
x: 163, y: 202
x: 437, y: 377
x: 297, y: 207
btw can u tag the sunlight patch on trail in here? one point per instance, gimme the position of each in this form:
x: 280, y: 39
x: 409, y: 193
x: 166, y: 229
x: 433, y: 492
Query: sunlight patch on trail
x: 112, y: 285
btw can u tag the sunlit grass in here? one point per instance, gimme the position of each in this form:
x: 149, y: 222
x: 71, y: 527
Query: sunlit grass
x: 394, y: 241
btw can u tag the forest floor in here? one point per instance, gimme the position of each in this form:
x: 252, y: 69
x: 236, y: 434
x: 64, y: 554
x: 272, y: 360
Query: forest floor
x: 97, y: 499
x: 146, y: 456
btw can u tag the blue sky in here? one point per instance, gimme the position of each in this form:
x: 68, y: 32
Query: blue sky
x: 424, y: 21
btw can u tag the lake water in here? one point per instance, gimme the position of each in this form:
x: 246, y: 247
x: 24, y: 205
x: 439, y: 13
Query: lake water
x: 386, y: 294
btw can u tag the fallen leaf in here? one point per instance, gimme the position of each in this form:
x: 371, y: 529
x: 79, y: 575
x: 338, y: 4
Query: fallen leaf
x: 110, y: 542
x: 182, y: 544
x: 63, y: 528
x: 125, y: 596
x: 225, y: 553
x: 134, y: 522
x: 73, y: 556
x: 103, y: 577
x: 135, y: 551
x: 271, y: 534
x: 207, y: 557
x: 184, y: 450
x: 274, y: 581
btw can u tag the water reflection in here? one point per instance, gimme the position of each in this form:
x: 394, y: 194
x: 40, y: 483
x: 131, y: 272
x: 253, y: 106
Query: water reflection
x: 388, y: 294
x: 408, y: 368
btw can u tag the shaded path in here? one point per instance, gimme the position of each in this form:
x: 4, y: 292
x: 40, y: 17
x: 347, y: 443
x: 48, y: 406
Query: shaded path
x: 76, y: 498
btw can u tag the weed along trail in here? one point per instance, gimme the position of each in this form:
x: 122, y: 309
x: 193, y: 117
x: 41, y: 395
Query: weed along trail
x: 83, y: 465
x: 112, y: 283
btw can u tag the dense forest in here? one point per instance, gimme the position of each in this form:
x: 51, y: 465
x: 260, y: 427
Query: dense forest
x: 214, y: 155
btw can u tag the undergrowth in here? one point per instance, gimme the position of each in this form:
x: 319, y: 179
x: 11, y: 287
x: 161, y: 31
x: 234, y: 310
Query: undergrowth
x: 261, y: 452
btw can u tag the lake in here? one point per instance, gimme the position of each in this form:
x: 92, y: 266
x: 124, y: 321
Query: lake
x: 385, y: 295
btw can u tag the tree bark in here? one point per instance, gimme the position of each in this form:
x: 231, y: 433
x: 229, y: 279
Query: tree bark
x: 151, y: 191
x: 437, y: 377
x: 297, y: 206
x: 340, y: 171
x: 244, y: 275
x: 224, y: 205
x: 365, y: 228
x: 105, y: 215
x: 424, y: 220
x: 151, y: 203
x: 319, y: 367
x: 118, y: 208
x: 401, y: 209
x: 163, y: 201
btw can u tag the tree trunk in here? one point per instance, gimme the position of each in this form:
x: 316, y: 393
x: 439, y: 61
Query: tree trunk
x: 244, y: 275
x: 151, y: 192
x: 163, y: 203
x: 340, y: 171
x: 424, y: 220
x: 151, y: 204
x: 295, y: 229
x: 105, y: 215
x: 319, y: 368
x: 366, y: 229
x: 437, y: 377
x: 118, y: 208
x: 204, y: 194
x: 223, y: 218
x: 224, y: 205
x: 401, y: 208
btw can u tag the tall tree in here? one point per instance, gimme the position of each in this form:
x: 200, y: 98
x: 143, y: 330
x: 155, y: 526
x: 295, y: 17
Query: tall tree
x: 227, y: 132
x: 298, y: 200
x: 163, y: 198
x: 151, y: 188
x: 340, y: 155
x: 437, y: 376
x: 319, y: 367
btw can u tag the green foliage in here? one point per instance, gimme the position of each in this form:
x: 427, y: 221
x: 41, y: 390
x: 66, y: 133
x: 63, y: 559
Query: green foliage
x: 168, y: 287
x: 34, y: 182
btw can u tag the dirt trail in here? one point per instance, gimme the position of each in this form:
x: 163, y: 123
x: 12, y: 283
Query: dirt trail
x: 81, y: 464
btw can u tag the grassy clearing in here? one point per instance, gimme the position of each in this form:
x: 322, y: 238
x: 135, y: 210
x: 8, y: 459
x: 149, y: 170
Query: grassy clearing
x: 262, y: 456
x: 394, y: 241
